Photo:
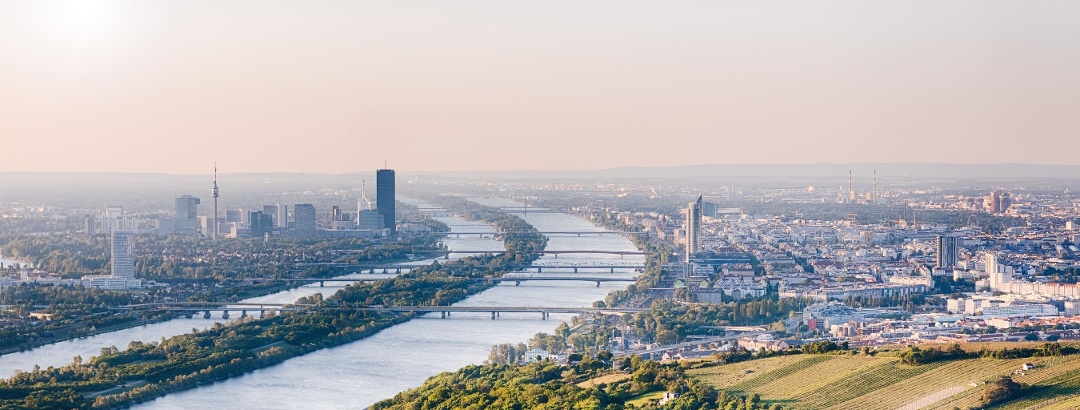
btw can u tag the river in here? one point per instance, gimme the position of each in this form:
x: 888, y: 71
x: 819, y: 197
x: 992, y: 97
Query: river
x: 358, y: 374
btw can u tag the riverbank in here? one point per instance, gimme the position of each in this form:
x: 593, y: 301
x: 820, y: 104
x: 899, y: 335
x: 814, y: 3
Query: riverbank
x: 73, y: 332
x: 222, y: 352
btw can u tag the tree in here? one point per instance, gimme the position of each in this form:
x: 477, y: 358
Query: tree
x: 1032, y: 337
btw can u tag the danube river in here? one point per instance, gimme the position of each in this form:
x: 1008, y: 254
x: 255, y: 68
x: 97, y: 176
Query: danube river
x: 360, y: 373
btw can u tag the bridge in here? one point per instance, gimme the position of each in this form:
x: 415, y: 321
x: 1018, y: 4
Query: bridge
x: 577, y: 233
x: 398, y: 268
x: 516, y: 279
x: 556, y: 253
x: 445, y: 311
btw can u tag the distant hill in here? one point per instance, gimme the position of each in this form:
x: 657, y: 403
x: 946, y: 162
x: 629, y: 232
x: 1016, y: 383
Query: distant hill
x: 863, y: 382
x: 860, y: 170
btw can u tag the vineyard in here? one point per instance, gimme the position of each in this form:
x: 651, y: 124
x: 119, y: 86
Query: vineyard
x: 848, y: 381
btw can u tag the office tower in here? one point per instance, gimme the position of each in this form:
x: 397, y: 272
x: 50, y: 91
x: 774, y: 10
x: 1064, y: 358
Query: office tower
x: 89, y: 220
x: 384, y: 198
x: 370, y: 219
x: 272, y: 212
x: 113, y: 219
x: 992, y: 203
x: 283, y: 216
x: 708, y: 209
x: 186, y: 218
x: 233, y: 215
x: 262, y: 224
x: 217, y: 225
x: 1004, y: 202
x: 123, y: 263
x: 304, y: 218
x: 335, y: 213
x: 693, y: 227
x: 947, y: 251
x: 999, y: 276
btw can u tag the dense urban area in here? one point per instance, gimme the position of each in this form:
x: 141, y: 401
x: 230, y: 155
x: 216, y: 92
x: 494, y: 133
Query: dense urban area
x: 742, y: 294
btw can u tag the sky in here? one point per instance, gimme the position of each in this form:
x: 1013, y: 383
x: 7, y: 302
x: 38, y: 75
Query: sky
x: 348, y: 86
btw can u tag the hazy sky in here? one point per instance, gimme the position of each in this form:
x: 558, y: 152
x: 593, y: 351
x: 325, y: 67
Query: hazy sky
x: 325, y: 86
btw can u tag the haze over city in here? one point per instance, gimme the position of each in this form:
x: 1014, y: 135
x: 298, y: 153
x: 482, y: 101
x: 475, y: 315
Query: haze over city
x: 490, y: 85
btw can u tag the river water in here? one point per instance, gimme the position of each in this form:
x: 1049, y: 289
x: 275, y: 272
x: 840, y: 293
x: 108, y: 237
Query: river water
x: 363, y: 372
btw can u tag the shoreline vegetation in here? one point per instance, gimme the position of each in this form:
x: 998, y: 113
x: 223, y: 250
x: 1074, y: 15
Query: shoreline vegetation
x: 146, y: 371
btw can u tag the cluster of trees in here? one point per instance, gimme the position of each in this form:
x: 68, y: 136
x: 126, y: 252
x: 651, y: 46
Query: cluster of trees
x: 184, y: 361
x: 224, y: 351
x: 173, y: 258
x: 915, y: 356
x: 546, y: 385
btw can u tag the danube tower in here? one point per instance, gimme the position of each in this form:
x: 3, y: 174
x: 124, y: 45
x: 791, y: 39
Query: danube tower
x: 216, y: 225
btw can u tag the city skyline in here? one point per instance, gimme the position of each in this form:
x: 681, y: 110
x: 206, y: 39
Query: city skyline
x: 336, y: 87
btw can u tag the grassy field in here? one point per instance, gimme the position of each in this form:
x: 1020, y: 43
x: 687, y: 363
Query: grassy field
x: 606, y: 379
x: 881, y: 382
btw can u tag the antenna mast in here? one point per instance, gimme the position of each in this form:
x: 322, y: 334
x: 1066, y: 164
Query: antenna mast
x: 215, y: 193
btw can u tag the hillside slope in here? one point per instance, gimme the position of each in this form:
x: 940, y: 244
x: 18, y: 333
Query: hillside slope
x: 863, y: 382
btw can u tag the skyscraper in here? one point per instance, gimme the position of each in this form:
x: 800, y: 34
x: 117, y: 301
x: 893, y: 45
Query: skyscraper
x: 304, y: 218
x: 384, y: 198
x: 123, y: 264
x: 283, y: 216
x: 186, y: 218
x: 272, y: 212
x: 999, y: 276
x: 693, y: 227
x: 947, y: 251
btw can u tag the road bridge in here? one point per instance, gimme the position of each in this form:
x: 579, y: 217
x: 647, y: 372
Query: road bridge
x: 399, y: 268
x: 555, y: 252
x: 516, y: 279
x: 548, y: 233
x: 445, y: 311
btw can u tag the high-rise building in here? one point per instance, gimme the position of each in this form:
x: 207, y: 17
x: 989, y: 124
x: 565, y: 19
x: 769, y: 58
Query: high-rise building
x: 370, y: 219
x: 272, y: 212
x: 261, y: 225
x: 385, y: 199
x: 947, y: 251
x: 708, y: 209
x: 693, y: 227
x: 114, y: 220
x: 89, y: 220
x: 186, y: 218
x: 282, y: 216
x: 304, y: 218
x: 999, y: 276
x: 233, y: 215
x: 123, y: 263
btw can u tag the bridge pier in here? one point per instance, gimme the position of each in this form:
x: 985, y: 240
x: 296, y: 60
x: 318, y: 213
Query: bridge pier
x: 612, y: 270
x: 442, y: 315
x: 224, y: 314
x: 398, y: 270
x: 544, y: 315
x: 206, y: 315
x: 385, y: 270
x: 539, y: 269
x: 597, y: 283
x: 262, y: 314
x: 243, y: 313
x: 517, y: 283
x: 575, y: 270
x: 321, y: 284
x: 492, y: 315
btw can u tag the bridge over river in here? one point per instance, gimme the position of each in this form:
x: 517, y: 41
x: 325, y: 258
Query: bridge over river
x: 516, y: 279
x: 403, y: 267
x: 445, y: 311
